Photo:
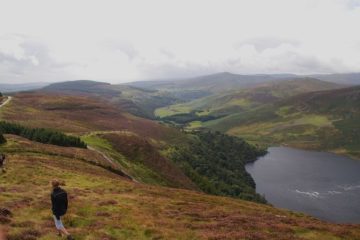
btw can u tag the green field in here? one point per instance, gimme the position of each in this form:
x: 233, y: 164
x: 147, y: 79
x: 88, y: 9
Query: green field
x: 326, y: 120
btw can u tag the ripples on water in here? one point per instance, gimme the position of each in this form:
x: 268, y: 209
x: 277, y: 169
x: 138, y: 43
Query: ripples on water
x: 321, y: 184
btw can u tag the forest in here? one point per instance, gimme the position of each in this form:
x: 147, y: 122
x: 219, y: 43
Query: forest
x: 41, y: 135
x: 216, y: 163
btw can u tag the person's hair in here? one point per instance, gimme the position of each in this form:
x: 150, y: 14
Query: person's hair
x: 55, y: 183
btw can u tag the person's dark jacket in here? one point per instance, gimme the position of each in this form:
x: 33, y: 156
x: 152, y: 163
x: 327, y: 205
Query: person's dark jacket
x: 59, y: 202
x: 2, y: 159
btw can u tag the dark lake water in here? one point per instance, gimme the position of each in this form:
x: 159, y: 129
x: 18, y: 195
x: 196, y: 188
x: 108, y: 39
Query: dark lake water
x: 323, y: 185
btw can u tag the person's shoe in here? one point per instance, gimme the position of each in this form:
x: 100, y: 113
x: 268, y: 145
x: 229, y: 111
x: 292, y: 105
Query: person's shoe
x: 70, y: 237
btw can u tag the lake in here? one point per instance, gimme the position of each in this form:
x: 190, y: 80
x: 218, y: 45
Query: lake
x: 324, y: 185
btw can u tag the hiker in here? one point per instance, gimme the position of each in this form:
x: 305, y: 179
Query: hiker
x: 59, y: 201
x: 2, y: 162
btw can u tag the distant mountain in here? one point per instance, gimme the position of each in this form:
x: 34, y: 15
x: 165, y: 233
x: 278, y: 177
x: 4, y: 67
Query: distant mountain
x: 83, y: 87
x: 213, y: 83
x: 343, y: 78
x: 5, y: 87
x: 76, y: 85
x: 225, y: 81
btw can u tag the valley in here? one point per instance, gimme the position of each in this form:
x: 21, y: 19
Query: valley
x: 142, y: 148
x: 305, y: 113
x: 165, y: 163
x: 179, y: 120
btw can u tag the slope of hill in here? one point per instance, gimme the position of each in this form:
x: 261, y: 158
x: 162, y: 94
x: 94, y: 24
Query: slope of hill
x: 77, y: 114
x: 327, y: 120
x: 241, y: 100
x: 138, y: 101
x: 136, y: 144
x: 84, y: 116
x: 104, y: 205
x: 6, y: 87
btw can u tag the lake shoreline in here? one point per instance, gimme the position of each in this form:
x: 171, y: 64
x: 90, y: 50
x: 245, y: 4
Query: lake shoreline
x: 339, y: 152
x: 311, y: 182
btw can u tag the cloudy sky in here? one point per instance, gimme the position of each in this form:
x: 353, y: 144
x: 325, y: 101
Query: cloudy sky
x: 119, y: 41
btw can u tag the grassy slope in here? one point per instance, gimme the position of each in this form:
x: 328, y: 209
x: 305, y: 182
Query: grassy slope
x: 106, y: 206
x: 80, y: 115
x: 326, y: 120
x: 141, y: 159
x: 94, y: 119
x: 132, y: 143
x: 241, y: 100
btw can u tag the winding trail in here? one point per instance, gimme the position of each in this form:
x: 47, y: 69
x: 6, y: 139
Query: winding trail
x: 6, y: 101
x: 113, y: 163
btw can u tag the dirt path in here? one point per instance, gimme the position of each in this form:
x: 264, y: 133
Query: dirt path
x: 6, y: 102
x: 112, y: 162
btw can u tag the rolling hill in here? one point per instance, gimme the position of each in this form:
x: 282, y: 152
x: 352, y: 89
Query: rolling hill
x: 340, y: 78
x: 237, y: 101
x: 141, y: 148
x: 214, y: 83
x: 140, y: 179
x: 138, y: 101
x: 225, y: 81
x: 325, y: 120
x: 8, y: 87
x: 104, y: 205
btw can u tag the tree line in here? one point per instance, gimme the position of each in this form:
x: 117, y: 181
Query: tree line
x: 216, y: 163
x: 183, y: 118
x: 41, y: 135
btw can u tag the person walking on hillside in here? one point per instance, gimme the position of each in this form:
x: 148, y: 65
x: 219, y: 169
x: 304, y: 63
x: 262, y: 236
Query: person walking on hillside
x: 2, y: 163
x: 59, y: 201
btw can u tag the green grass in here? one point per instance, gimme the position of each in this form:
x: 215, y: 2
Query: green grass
x: 327, y: 121
x: 312, y: 119
x: 172, y: 110
x: 135, y: 169
x: 194, y: 125
x: 240, y: 102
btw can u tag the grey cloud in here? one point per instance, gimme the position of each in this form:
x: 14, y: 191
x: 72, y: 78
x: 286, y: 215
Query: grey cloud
x: 172, y: 70
x: 167, y: 53
x: 261, y: 44
x: 122, y: 46
x: 14, y: 69
x: 352, y: 4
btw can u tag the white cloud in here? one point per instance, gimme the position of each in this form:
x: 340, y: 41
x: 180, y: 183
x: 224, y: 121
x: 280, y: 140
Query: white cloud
x: 116, y: 40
